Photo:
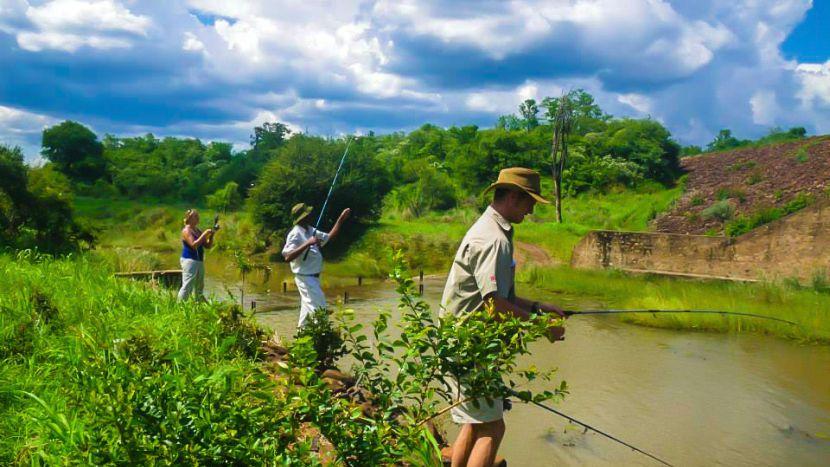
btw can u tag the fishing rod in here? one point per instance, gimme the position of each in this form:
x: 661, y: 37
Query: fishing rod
x: 589, y: 427
x: 331, y: 188
x: 711, y: 312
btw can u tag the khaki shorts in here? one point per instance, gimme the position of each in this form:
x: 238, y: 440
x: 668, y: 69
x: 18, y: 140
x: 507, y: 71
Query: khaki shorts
x: 469, y: 413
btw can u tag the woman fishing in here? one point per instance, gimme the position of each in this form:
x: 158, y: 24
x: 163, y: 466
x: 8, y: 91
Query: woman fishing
x: 194, y: 242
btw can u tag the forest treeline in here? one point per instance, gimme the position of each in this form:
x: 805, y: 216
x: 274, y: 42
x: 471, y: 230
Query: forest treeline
x: 428, y: 169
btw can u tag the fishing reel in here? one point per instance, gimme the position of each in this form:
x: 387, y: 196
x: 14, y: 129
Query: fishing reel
x: 216, y: 222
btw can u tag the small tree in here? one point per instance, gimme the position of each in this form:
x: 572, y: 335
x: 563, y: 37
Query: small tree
x: 562, y: 125
x: 529, y: 111
x: 245, y: 267
x: 75, y: 151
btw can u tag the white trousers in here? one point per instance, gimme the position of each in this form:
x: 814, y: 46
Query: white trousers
x: 193, y: 278
x: 311, y: 296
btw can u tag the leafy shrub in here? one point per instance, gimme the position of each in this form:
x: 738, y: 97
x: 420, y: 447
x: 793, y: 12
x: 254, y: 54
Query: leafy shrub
x: 35, y: 207
x: 721, y: 210
x: 325, y: 338
x: 302, y: 171
x: 225, y: 198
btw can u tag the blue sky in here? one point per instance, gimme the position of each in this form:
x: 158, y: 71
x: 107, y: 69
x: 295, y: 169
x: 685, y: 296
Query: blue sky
x: 214, y: 69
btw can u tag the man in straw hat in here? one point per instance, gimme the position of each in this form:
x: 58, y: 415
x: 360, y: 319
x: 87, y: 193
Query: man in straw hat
x: 483, y: 273
x: 306, y: 268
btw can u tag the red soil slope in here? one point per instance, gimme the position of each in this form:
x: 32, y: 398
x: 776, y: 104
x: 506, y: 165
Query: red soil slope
x: 750, y: 179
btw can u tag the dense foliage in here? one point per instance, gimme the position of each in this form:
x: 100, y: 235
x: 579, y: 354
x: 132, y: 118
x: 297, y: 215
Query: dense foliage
x: 96, y: 370
x: 302, y: 171
x: 35, y: 207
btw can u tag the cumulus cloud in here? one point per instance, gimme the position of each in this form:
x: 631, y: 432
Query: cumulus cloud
x: 21, y: 128
x: 68, y: 25
x: 213, y: 68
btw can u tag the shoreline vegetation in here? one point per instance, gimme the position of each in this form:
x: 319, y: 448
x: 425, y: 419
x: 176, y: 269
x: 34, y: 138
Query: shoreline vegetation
x: 147, y: 231
x: 98, y: 370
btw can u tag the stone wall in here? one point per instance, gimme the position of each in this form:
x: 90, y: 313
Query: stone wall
x: 797, y: 245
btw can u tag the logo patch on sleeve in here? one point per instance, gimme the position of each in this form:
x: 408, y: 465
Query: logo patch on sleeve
x: 493, y: 278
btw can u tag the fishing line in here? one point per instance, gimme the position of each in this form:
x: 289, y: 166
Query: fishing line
x: 711, y: 312
x: 589, y: 427
x: 331, y: 188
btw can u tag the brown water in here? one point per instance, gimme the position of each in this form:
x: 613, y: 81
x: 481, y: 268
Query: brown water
x: 689, y: 398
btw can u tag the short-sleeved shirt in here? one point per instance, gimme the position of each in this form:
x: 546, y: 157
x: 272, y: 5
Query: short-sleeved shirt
x: 313, y: 264
x: 483, y: 265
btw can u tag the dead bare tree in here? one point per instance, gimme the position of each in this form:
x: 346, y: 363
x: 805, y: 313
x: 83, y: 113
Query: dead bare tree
x: 562, y: 125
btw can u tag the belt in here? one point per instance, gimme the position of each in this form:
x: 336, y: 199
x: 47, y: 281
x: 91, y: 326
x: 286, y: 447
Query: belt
x: 308, y: 275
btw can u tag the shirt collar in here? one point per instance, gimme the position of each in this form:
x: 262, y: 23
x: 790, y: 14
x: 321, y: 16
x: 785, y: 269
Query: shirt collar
x: 500, y: 220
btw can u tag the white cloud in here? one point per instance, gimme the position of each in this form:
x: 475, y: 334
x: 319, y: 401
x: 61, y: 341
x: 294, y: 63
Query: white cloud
x: 38, y: 41
x: 68, y: 25
x: 815, y: 83
x: 82, y: 16
x: 638, y: 102
x: 21, y: 128
x: 765, y: 107
x: 192, y: 43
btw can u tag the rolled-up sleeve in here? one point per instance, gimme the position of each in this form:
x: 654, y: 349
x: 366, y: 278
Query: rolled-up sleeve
x: 491, y: 269
x: 322, y: 236
x: 292, y: 241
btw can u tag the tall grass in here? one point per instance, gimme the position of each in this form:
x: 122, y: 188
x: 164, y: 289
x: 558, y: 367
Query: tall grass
x: 810, y: 308
x: 94, y: 370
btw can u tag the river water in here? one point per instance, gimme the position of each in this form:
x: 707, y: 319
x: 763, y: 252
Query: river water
x: 690, y: 398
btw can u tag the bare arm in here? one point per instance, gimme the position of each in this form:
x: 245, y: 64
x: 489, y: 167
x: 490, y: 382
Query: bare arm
x: 209, y: 241
x: 502, y: 305
x: 188, y: 239
x: 521, y: 307
x: 336, y: 229
x: 293, y: 254
x: 543, y: 307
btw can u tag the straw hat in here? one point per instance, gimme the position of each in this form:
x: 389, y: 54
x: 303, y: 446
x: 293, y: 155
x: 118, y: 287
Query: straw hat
x: 300, y: 211
x: 527, y: 180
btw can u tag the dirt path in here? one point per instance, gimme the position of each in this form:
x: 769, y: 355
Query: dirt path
x: 528, y: 253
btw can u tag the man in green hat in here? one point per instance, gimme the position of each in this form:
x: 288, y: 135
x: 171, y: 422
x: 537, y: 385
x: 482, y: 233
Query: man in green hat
x: 483, y: 273
x: 306, y: 268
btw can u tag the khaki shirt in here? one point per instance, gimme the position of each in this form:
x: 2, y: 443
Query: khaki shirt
x: 482, y: 265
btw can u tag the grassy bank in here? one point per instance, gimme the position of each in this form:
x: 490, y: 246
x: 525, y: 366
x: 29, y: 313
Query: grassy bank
x: 808, y: 307
x: 95, y: 370
x: 141, y: 234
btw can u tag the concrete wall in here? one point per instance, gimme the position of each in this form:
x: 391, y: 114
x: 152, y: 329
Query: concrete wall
x: 795, y: 246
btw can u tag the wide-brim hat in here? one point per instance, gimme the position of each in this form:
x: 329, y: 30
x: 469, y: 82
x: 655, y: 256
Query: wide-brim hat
x: 300, y: 212
x: 527, y: 180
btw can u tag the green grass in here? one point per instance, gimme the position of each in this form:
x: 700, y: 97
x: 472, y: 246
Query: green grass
x: 136, y: 235
x: 96, y: 370
x: 809, y: 307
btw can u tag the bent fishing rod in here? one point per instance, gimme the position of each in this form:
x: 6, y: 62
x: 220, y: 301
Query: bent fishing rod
x: 710, y: 312
x: 589, y: 427
x: 331, y: 188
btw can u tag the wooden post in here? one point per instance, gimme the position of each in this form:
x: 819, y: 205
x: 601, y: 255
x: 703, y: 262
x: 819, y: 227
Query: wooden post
x: 359, y: 280
x: 421, y: 282
x: 253, y: 305
x: 345, y: 296
x: 420, y: 289
x: 421, y: 276
x: 284, y: 286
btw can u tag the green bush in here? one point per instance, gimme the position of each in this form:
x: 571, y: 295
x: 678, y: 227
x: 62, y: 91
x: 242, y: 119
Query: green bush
x: 302, y: 171
x: 720, y: 210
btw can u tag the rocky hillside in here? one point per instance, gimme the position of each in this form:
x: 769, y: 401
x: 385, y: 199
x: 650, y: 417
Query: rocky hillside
x: 729, y: 187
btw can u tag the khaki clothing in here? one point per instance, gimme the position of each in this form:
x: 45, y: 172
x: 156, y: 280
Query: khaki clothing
x: 483, y: 265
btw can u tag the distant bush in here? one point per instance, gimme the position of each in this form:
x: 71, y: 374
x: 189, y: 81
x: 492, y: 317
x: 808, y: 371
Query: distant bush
x: 225, y: 198
x: 721, y: 210
x: 744, y: 224
x: 36, y: 207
